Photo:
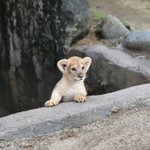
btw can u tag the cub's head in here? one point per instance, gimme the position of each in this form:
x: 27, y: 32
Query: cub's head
x: 74, y: 68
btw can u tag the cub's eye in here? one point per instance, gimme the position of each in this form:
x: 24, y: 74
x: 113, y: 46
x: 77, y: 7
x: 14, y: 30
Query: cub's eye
x: 83, y: 68
x: 73, y: 69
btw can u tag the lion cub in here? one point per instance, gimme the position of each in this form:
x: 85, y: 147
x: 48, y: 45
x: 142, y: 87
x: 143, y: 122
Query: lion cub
x: 71, y: 85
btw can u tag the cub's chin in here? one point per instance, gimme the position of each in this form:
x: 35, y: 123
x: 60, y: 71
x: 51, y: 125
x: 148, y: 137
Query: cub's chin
x: 79, y: 79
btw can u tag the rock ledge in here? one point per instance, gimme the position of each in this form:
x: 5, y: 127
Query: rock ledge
x: 41, y: 121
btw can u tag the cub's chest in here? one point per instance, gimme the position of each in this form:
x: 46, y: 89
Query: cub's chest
x: 71, y: 92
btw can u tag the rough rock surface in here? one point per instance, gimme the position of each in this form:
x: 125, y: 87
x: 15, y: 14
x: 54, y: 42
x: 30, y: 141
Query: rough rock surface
x: 32, y: 38
x: 68, y: 115
x: 113, y: 28
x: 113, y: 69
x: 137, y: 40
x: 76, y: 14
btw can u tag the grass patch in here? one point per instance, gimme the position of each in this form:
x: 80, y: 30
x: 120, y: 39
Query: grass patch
x: 127, y: 25
x: 97, y: 16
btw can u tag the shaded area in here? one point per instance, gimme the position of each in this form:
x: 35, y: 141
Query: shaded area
x: 32, y: 35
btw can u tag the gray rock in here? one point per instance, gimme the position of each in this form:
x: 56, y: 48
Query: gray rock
x: 31, y: 47
x: 113, y: 28
x: 32, y: 39
x: 2, y: 145
x: 76, y: 14
x: 137, y: 40
x: 68, y: 115
x: 113, y: 69
x: 115, y: 109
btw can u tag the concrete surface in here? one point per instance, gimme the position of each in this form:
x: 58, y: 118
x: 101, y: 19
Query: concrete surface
x: 42, y: 121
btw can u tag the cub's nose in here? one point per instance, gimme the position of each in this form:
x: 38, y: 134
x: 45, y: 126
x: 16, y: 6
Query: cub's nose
x: 80, y: 75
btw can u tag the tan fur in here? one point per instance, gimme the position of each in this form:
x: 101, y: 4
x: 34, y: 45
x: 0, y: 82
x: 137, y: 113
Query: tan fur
x: 71, y: 84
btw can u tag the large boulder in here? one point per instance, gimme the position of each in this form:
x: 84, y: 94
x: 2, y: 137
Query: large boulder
x: 112, y: 69
x: 137, y: 41
x: 113, y: 28
x: 33, y: 35
x: 32, y: 38
x: 76, y: 14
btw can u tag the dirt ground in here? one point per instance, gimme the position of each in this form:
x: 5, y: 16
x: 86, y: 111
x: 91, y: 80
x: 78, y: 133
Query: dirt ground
x: 135, y: 12
x: 125, y: 130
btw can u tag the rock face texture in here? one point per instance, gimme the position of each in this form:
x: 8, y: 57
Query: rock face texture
x: 137, y: 40
x: 32, y: 38
x: 76, y: 15
x: 113, y: 28
x: 113, y: 69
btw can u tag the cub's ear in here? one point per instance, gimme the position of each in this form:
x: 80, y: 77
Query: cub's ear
x: 62, y: 65
x: 87, y: 62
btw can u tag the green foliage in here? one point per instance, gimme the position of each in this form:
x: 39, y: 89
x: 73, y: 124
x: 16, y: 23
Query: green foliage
x: 100, y: 17
x: 127, y: 25
x: 97, y: 16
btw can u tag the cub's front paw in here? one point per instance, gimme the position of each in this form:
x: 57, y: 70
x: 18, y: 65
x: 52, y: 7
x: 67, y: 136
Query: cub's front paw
x: 80, y: 98
x: 51, y: 102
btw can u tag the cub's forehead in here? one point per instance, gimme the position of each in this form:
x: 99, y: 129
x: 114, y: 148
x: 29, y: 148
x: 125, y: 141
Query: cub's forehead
x: 75, y: 61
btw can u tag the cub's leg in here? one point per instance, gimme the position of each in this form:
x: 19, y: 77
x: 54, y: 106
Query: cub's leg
x: 54, y: 100
x: 80, y: 95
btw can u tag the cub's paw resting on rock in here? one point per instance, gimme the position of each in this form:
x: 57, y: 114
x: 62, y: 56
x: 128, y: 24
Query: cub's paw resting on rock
x: 80, y: 98
x: 51, y: 102
x: 71, y: 84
